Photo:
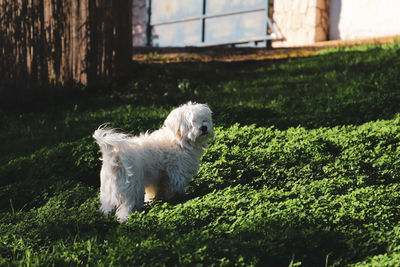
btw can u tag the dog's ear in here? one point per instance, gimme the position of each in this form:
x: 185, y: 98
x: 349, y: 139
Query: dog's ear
x: 171, y: 122
x: 177, y: 122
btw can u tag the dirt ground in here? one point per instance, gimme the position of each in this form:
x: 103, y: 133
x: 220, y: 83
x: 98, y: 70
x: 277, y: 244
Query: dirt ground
x: 230, y: 54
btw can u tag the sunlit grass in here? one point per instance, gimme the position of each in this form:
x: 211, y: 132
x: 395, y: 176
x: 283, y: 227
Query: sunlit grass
x: 304, y: 168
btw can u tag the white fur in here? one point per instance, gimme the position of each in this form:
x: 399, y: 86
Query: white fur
x: 156, y: 165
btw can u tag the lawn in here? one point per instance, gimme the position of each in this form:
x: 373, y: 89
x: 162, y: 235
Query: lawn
x: 304, y: 168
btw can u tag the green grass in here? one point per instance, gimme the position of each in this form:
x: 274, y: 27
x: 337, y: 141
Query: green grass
x: 304, y: 168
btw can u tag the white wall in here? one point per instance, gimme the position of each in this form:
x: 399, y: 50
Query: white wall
x: 358, y: 19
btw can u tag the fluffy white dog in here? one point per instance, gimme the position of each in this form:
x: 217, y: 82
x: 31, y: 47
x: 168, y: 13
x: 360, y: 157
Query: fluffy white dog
x: 157, y: 165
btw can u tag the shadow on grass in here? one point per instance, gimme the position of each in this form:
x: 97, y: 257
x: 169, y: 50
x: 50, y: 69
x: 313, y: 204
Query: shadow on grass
x: 345, y: 87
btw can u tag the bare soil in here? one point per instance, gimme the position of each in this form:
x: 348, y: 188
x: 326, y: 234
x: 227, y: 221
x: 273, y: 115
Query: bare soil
x: 232, y: 54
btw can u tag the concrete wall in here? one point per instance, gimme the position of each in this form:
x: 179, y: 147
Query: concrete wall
x: 358, y: 19
x: 300, y: 22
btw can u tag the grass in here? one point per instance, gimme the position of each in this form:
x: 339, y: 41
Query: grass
x: 304, y: 168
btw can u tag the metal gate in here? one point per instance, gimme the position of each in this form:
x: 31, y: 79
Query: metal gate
x: 208, y: 22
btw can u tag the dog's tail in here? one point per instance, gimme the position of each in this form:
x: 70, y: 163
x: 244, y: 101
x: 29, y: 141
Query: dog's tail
x: 110, y: 140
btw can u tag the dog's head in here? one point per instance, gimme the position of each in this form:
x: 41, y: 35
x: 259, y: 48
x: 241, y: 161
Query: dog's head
x: 191, y: 124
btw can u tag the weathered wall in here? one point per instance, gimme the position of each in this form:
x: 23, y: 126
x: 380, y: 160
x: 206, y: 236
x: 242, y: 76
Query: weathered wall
x: 358, y: 19
x: 300, y: 22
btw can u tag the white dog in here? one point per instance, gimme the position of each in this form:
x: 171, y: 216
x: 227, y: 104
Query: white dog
x: 157, y: 165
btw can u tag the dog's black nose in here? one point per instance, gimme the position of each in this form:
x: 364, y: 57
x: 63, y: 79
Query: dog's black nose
x: 203, y: 129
